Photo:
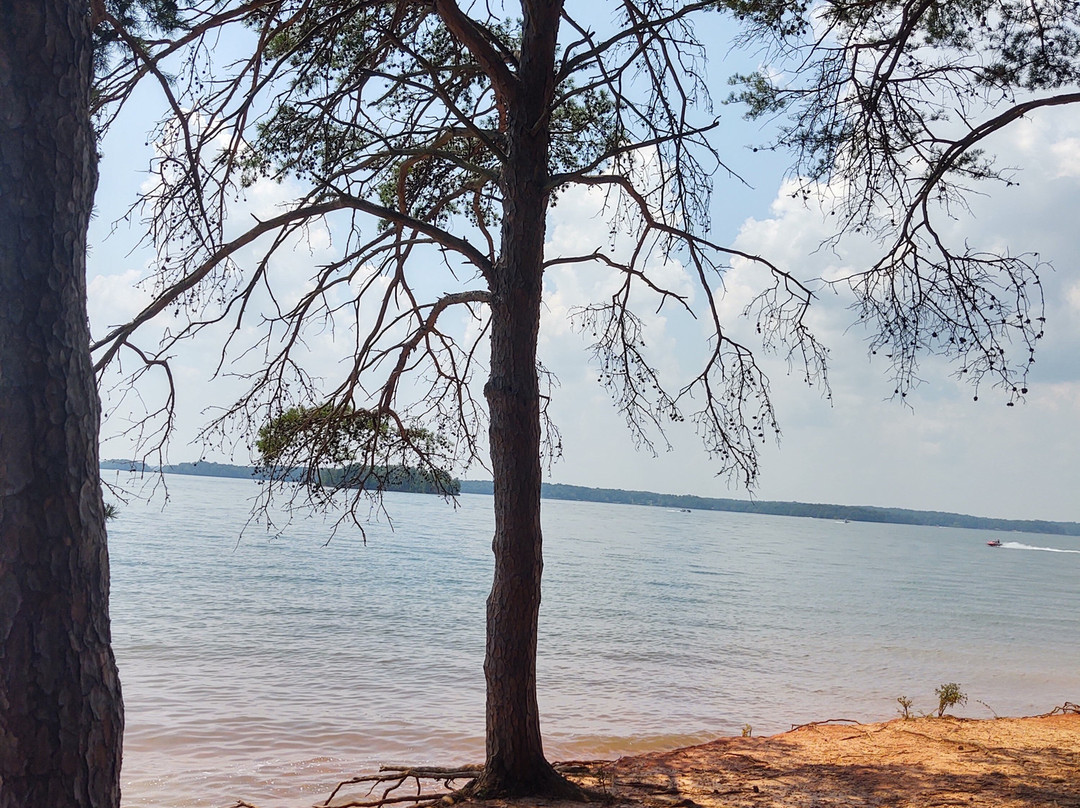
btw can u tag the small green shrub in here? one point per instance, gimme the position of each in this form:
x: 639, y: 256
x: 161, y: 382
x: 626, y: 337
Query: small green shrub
x: 905, y: 706
x: 747, y: 730
x: 949, y: 695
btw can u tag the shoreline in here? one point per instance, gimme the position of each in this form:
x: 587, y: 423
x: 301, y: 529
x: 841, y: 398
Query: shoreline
x: 1025, y: 762
x: 911, y: 763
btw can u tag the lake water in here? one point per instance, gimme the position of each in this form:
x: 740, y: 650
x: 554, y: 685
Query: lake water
x: 268, y: 668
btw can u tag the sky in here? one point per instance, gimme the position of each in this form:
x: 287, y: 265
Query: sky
x: 937, y: 450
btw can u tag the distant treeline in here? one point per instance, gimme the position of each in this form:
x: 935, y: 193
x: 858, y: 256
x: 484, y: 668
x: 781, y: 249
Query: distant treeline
x: 401, y: 478
x: 394, y: 478
x: 854, y: 513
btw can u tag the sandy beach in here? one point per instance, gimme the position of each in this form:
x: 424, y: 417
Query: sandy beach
x: 1031, y: 762
x: 921, y: 762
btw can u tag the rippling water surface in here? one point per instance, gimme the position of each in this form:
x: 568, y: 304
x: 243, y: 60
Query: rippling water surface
x: 269, y: 668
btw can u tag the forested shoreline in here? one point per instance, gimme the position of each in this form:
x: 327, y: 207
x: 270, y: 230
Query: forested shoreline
x: 852, y: 513
x: 393, y: 478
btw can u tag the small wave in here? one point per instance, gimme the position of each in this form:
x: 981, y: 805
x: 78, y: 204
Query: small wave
x: 1016, y: 545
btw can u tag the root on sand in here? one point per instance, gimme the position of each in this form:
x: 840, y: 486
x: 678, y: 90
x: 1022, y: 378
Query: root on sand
x: 436, y: 786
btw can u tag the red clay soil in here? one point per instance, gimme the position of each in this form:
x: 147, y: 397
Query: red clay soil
x: 917, y: 763
x: 914, y: 763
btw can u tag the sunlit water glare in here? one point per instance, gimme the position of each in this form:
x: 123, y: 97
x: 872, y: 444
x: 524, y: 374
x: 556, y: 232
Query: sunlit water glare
x: 269, y: 668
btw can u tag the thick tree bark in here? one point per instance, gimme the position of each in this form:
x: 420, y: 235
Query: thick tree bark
x: 61, y: 716
x: 515, y: 762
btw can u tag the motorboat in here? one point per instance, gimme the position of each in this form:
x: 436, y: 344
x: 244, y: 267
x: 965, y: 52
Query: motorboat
x: 994, y: 543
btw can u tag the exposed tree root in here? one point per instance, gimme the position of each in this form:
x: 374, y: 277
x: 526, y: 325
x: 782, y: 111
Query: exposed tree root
x: 546, y: 781
x: 1067, y: 707
x: 823, y: 723
x: 382, y: 788
x: 391, y: 778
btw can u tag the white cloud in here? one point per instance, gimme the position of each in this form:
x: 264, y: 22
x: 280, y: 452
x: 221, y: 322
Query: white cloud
x: 1072, y: 297
x: 115, y: 299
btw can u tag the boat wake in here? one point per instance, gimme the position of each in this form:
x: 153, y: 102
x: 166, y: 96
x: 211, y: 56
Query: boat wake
x: 1016, y: 545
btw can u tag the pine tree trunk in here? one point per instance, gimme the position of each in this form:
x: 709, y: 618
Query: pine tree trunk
x: 515, y: 762
x: 515, y: 757
x: 61, y: 716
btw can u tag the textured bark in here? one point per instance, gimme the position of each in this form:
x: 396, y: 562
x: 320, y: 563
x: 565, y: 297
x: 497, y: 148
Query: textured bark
x: 61, y: 716
x: 515, y: 762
